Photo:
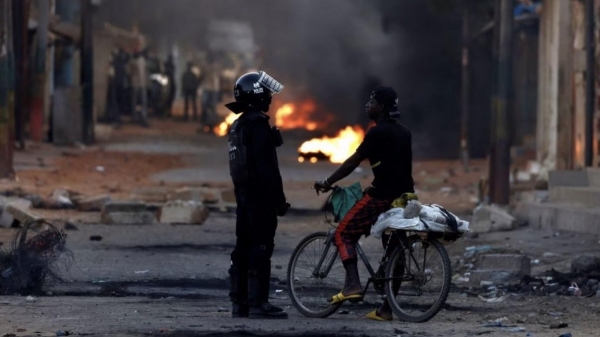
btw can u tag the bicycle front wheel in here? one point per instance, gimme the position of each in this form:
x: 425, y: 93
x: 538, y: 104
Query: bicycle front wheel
x: 310, y: 287
x: 418, y: 280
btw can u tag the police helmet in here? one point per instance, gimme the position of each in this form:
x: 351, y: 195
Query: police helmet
x: 254, y: 90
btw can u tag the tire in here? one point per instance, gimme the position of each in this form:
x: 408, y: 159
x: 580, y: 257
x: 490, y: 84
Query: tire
x: 309, y: 293
x: 421, y: 295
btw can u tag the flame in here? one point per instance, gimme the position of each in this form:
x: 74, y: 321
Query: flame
x: 296, y: 116
x: 221, y: 129
x: 338, y: 148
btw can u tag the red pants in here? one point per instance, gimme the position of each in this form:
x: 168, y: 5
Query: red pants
x: 358, y: 222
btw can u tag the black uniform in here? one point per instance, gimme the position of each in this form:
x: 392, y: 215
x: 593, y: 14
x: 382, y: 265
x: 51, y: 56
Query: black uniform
x: 259, y: 193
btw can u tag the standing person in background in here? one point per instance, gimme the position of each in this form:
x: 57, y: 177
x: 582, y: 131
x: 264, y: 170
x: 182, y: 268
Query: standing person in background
x: 139, y: 79
x: 189, y: 86
x: 170, y: 72
x: 210, y: 95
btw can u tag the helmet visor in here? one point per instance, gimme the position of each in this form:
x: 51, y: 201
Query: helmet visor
x: 270, y: 83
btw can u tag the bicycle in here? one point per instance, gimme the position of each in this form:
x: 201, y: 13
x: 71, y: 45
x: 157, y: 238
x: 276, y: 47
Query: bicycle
x: 315, y: 272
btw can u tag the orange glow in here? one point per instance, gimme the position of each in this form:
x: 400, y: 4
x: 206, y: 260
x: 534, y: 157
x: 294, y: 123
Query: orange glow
x: 338, y: 148
x: 297, y: 116
x: 301, y: 159
x: 221, y: 129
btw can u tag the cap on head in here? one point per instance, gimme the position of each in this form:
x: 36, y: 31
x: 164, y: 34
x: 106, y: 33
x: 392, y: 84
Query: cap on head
x: 387, y: 97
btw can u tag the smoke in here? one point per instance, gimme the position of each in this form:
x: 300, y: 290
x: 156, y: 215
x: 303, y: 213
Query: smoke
x: 334, y: 51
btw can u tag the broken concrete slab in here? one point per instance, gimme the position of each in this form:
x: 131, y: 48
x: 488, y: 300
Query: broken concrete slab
x: 184, y: 212
x: 20, y: 212
x: 152, y: 194
x: 128, y: 218
x: 585, y: 264
x: 92, y: 204
x: 491, y: 218
x: 200, y: 194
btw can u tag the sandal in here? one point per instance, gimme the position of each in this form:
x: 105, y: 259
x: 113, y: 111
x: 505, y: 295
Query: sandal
x: 342, y: 298
x: 373, y: 315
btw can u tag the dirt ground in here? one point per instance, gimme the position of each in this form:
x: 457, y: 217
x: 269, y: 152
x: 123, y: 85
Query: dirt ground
x: 169, y: 280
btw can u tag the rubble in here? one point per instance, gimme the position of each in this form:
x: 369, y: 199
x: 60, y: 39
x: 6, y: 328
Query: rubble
x: 491, y: 218
x: 184, y: 212
x: 92, y: 204
x: 126, y: 212
x: 585, y: 264
x: 205, y: 195
x: 154, y: 194
x: 59, y: 199
x: 500, y: 268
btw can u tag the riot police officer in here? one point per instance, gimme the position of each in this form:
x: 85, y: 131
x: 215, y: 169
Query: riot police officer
x: 259, y: 194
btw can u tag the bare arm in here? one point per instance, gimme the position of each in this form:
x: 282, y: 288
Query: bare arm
x: 346, y: 168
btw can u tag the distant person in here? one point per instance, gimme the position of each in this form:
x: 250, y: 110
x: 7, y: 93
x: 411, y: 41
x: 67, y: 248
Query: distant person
x: 139, y: 79
x: 211, y: 88
x: 189, y: 86
x: 170, y: 72
x: 259, y: 194
x: 528, y: 7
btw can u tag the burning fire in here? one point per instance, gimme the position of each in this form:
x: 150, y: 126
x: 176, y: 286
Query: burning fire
x: 337, y: 149
x: 288, y: 116
x: 221, y: 129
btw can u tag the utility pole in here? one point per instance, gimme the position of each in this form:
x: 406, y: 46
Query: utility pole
x: 590, y: 77
x: 20, y: 43
x: 500, y: 122
x: 495, y: 57
x: 87, y: 71
x: 464, y: 132
x: 36, y: 118
x: 11, y: 85
x: 6, y: 169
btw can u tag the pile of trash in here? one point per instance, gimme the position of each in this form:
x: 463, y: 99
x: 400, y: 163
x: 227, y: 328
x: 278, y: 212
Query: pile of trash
x: 33, y: 260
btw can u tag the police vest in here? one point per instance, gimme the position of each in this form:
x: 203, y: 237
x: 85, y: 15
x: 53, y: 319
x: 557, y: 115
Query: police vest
x: 238, y: 165
x: 238, y: 159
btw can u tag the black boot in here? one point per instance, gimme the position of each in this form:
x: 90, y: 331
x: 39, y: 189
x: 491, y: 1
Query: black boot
x: 258, y: 298
x: 238, y: 292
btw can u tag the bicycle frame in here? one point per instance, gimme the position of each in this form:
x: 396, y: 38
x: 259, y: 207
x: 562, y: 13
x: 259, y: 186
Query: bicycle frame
x: 322, y: 273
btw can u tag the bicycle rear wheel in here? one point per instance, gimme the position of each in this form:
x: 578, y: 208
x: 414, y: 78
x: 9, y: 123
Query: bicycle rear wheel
x: 309, y: 289
x: 419, y: 280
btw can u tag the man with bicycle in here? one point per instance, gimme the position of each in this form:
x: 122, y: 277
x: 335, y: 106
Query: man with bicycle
x: 388, y: 148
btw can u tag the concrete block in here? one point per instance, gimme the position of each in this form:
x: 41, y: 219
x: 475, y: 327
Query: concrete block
x: 584, y: 196
x: 152, y: 194
x: 516, y: 263
x: 128, y: 218
x: 494, y: 276
x: 567, y: 179
x: 200, y: 194
x: 92, y: 204
x: 21, y: 213
x: 124, y: 206
x: 184, y: 212
x: 561, y: 217
x: 593, y: 175
x: 491, y: 218
x: 6, y: 219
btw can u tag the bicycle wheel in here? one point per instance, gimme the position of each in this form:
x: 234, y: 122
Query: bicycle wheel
x: 419, y: 280
x: 309, y: 289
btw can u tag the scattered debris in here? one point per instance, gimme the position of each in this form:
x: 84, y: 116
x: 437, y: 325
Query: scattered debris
x: 574, y: 290
x: 100, y: 168
x: 126, y: 212
x: 30, y: 299
x: 559, y: 325
x: 344, y: 312
x: 141, y: 271
x: 585, y: 264
x: 32, y: 260
x: 63, y: 333
x: 70, y: 226
x: 59, y: 199
x: 92, y: 204
x: 549, y: 254
x: 568, y: 334
x: 491, y: 218
x: 95, y: 238
x: 221, y: 309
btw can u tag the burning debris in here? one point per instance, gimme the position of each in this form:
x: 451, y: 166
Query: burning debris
x: 288, y: 116
x: 32, y: 261
x: 336, y: 149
